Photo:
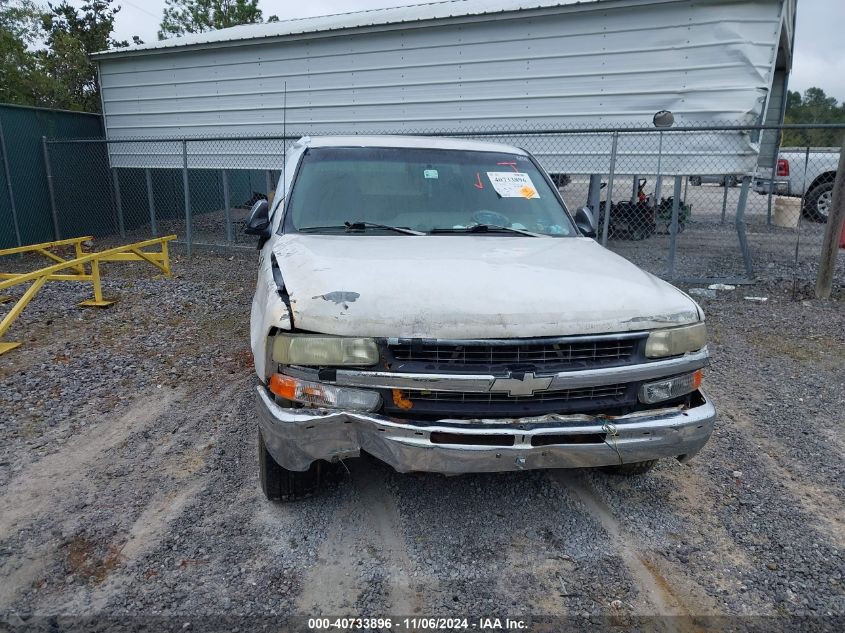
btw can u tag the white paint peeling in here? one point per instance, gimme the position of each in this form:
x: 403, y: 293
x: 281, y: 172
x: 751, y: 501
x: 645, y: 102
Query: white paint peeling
x: 471, y: 287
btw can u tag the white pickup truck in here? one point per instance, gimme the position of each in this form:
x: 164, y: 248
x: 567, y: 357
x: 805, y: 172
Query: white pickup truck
x: 791, y: 180
x: 432, y: 302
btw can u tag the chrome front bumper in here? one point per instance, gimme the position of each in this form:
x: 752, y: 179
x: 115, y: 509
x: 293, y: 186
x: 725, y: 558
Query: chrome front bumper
x: 297, y: 437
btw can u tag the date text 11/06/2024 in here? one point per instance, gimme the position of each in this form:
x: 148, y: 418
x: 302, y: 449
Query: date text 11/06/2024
x: 418, y: 623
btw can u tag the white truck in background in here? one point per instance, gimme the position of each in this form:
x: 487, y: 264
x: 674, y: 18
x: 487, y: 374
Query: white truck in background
x: 815, y: 183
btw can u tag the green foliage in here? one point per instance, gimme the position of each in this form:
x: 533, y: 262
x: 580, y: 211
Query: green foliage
x: 182, y: 17
x: 61, y: 73
x: 813, y: 107
x: 21, y: 79
x: 72, y: 36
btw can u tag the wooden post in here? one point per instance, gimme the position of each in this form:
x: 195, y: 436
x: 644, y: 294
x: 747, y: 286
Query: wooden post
x: 835, y: 221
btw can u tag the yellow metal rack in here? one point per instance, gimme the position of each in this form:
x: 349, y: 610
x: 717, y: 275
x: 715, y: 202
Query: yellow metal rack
x: 83, y: 267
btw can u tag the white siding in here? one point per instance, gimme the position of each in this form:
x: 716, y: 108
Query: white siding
x: 594, y: 64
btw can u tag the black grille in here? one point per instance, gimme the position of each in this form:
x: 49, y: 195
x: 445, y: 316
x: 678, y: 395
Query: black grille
x: 557, y: 354
x: 556, y: 396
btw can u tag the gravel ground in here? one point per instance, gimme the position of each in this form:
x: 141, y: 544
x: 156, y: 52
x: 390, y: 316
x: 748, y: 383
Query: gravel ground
x: 128, y: 484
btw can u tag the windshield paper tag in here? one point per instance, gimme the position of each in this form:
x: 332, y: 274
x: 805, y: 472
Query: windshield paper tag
x: 431, y: 173
x: 510, y: 184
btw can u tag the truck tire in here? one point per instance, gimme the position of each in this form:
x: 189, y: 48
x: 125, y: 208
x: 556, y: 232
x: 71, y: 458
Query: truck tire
x: 627, y: 470
x: 695, y: 181
x: 281, y: 484
x: 817, y: 202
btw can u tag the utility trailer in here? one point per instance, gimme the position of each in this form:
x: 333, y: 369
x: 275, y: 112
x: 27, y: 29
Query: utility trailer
x: 466, y: 66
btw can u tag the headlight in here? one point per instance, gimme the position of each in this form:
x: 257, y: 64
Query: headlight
x: 307, y: 349
x: 676, y: 341
x: 317, y: 394
x: 670, y: 388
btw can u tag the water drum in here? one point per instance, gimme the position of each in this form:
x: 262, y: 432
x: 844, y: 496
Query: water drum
x: 787, y: 212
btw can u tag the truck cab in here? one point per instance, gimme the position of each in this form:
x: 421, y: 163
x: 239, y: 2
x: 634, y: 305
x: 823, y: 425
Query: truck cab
x: 433, y: 303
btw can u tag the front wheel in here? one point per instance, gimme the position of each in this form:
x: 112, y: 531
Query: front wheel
x: 628, y: 470
x: 818, y: 202
x: 281, y: 484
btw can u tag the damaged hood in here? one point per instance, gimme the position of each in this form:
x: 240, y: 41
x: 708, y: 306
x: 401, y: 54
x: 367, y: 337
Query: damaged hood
x: 470, y: 286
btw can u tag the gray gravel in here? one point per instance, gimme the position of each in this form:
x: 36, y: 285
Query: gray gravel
x: 128, y: 471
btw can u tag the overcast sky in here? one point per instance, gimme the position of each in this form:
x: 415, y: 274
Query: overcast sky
x: 819, y: 58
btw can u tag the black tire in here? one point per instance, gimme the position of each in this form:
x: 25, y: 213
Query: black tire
x: 695, y: 181
x: 628, y: 470
x: 281, y: 484
x: 817, y: 202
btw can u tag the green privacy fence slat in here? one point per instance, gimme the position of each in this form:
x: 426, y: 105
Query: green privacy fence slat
x: 22, y: 129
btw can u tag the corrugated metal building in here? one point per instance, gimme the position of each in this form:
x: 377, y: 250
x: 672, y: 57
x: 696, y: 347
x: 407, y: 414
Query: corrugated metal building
x: 465, y: 65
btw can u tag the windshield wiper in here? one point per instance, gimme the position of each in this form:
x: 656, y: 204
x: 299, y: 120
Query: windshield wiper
x: 360, y: 226
x: 486, y: 228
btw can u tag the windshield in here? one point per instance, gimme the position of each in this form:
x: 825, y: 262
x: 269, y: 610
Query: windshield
x: 352, y: 189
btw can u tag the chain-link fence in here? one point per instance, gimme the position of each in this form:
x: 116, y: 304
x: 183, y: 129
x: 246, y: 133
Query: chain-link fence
x: 684, y: 203
x: 25, y: 211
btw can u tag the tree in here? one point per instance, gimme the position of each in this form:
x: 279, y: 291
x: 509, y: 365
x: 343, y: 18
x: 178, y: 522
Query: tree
x: 72, y: 36
x: 182, y: 17
x: 21, y: 79
x: 813, y: 107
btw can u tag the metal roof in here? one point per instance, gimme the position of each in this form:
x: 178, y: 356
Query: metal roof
x: 356, y: 19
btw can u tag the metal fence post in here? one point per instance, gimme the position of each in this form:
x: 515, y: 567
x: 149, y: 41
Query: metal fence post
x: 226, y: 204
x: 118, y: 203
x: 724, y: 202
x: 673, y: 228
x: 658, y: 179
x: 594, y: 193
x: 57, y: 234
x: 833, y: 231
x: 188, y: 232
x: 771, y: 193
x: 151, y: 202
x: 740, y: 227
x: 10, y: 189
x: 775, y: 153
x: 609, y: 198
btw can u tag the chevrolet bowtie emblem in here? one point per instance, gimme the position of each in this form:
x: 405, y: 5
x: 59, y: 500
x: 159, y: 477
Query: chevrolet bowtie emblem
x: 523, y: 386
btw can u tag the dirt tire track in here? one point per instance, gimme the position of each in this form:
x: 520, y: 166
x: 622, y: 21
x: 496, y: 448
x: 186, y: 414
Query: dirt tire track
x: 32, y: 491
x: 826, y: 509
x: 53, y: 487
x: 58, y: 476
x: 383, y: 519
x: 332, y: 585
x: 658, y: 593
x: 144, y: 533
x: 368, y: 522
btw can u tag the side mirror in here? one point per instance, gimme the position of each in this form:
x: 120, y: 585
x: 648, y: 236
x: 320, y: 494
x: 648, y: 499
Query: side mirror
x: 259, y: 219
x: 585, y: 222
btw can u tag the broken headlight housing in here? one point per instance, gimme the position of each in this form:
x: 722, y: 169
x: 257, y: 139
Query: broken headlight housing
x: 318, y: 394
x: 670, y: 388
x: 676, y: 341
x: 320, y: 350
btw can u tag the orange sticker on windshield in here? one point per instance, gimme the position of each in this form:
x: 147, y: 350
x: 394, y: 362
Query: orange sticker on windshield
x: 528, y: 192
